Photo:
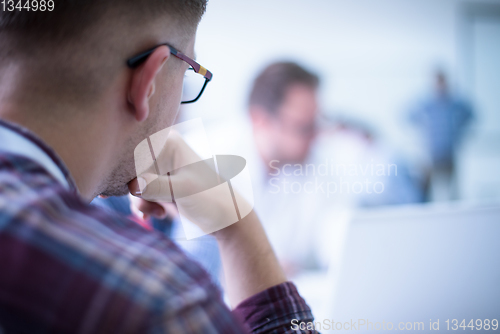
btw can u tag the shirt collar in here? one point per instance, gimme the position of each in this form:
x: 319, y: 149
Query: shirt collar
x: 17, y: 140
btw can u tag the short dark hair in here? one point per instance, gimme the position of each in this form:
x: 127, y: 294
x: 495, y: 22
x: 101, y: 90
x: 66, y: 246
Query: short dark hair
x: 271, y: 85
x: 72, y: 16
x: 70, y: 51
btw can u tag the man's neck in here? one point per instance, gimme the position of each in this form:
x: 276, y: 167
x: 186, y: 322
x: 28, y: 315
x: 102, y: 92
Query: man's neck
x: 79, y: 141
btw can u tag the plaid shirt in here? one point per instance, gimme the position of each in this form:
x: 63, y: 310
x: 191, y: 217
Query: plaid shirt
x: 69, y: 267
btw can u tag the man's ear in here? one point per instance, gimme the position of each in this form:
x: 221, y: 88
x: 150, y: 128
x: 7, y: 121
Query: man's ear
x: 142, y: 85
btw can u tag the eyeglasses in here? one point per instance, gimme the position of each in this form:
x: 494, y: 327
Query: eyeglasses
x: 196, y: 77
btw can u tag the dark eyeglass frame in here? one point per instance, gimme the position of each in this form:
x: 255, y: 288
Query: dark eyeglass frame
x: 140, y: 58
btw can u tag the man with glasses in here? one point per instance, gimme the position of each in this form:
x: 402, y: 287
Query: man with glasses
x: 78, y: 92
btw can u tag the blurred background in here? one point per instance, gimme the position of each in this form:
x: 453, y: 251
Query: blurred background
x: 376, y: 60
x: 404, y: 97
x: 415, y: 83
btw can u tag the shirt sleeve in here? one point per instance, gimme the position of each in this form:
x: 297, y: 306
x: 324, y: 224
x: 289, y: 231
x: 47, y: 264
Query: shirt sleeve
x: 273, y: 310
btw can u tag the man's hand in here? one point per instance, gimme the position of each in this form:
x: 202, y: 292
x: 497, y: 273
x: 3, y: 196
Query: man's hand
x: 206, y: 197
x: 249, y: 263
x: 145, y: 209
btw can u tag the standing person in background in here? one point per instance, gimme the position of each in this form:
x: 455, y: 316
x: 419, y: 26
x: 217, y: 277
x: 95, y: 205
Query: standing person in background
x: 442, y: 120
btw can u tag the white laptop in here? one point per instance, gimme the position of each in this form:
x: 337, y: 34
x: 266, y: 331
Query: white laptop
x: 414, y: 266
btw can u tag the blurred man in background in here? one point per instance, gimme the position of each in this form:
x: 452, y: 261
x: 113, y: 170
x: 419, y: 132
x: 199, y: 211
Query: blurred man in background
x: 307, y: 170
x: 290, y: 180
x: 442, y: 120
x: 283, y: 107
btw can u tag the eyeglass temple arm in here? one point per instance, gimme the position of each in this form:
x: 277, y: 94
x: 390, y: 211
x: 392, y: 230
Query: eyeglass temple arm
x: 139, y: 59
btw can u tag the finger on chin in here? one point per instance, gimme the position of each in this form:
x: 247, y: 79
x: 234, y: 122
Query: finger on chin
x: 133, y: 187
x: 151, y: 208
